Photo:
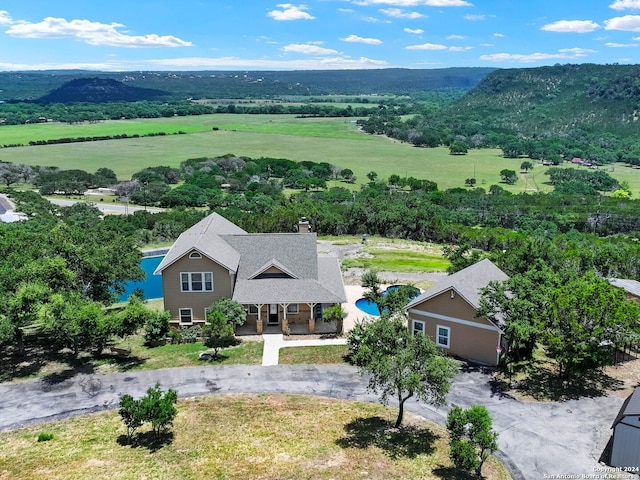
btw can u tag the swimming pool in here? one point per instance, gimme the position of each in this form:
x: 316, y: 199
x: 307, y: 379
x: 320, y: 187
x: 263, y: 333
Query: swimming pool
x: 151, y: 286
x: 371, y: 308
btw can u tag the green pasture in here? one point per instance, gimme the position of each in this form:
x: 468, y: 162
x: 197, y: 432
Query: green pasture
x: 333, y: 140
x: 23, y: 134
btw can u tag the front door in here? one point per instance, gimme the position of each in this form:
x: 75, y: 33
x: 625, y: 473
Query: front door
x: 273, y: 314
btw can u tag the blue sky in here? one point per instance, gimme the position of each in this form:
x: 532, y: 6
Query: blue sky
x: 127, y: 35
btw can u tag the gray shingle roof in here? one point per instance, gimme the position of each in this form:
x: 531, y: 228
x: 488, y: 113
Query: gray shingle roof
x: 316, y: 279
x: 631, y: 406
x: 297, y: 252
x: 466, y: 282
x: 204, y: 236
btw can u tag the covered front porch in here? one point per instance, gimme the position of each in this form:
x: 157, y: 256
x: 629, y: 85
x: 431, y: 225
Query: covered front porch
x: 286, y: 318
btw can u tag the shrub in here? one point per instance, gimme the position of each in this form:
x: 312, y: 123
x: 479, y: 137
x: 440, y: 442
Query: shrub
x: 45, y: 437
x: 156, y: 328
x: 156, y: 407
x: 191, y: 334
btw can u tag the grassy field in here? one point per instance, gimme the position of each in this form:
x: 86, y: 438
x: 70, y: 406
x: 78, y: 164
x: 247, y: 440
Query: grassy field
x: 313, y: 355
x: 333, y: 140
x: 241, y: 437
x: 393, y: 255
x: 23, y: 134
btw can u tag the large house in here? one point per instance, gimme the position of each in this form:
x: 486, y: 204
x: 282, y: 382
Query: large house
x: 278, y: 277
x: 447, y: 313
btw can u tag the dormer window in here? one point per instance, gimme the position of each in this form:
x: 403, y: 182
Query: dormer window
x: 195, y: 255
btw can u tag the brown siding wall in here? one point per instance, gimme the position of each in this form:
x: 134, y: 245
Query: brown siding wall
x: 174, y: 299
x: 466, y: 341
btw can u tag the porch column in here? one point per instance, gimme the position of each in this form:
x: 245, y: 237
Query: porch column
x: 259, y: 320
x: 285, y: 322
x: 312, y: 321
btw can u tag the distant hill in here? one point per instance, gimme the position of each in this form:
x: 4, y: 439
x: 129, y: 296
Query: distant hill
x: 243, y: 84
x: 557, y: 100
x: 99, y: 90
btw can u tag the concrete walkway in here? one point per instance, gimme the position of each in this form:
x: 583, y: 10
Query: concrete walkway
x: 536, y: 439
x: 273, y: 342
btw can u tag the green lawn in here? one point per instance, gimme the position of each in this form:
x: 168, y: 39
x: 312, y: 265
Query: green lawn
x: 398, y: 261
x: 241, y: 437
x: 313, y: 355
x: 333, y: 140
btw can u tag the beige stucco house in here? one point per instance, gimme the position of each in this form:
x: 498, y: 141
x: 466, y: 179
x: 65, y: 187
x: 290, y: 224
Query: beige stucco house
x: 278, y: 277
x: 447, y: 313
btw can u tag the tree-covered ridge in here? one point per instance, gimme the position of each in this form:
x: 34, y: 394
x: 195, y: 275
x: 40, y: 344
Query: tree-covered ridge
x: 553, y: 101
x: 259, y: 84
x: 99, y: 90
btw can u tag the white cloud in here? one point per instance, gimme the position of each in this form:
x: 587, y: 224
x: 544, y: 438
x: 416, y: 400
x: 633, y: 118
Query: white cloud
x: 620, y: 45
x: 5, y: 18
x: 498, y: 35
x: 357, y: 39
x: 455, y: 37
x: 416, y: 31
x: 630, y: 23
x: 345, y: 10
x: 399, y: 13
x: 486, y: 44
x: 625, y: 5
x: 475, y: 17
x: 427, y: 46
x: 371, y: 19
x: 459, y: 49
x: 565, y: 53
x: 93, y: 33
x: 415, y: 3
x: 571, y: 26
x: 290, y: 12
x: 309, y: 49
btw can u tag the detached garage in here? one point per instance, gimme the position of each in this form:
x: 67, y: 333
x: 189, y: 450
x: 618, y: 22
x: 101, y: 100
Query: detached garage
x: 625, y: 450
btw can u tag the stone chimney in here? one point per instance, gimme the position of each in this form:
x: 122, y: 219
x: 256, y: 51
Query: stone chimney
x: 304, y: 226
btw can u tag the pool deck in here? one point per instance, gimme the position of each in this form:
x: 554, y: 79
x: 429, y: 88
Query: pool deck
x: 354, y: 292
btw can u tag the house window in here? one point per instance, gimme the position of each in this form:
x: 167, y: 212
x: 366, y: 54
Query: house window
x: 253, y: 310
x: 292, y: 308
x: 195, y: 255
x: 196, y: 281
x: 443, y: 336
x: 417, y: 327
x: 186, y: 315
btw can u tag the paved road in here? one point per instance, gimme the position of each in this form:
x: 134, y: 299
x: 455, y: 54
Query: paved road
x: 535, y: 438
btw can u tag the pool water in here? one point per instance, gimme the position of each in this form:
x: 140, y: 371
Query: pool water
x: 151, y: 285
x: 368, y: 307
x: 371, y: 308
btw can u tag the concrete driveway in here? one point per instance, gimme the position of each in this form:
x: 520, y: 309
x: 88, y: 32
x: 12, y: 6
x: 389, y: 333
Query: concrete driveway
x: 536, y: 439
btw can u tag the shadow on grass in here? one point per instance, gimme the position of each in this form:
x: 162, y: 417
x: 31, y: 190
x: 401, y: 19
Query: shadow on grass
x: 149, y: 440
x: 542, y: 382
x: 451, y: 473
x: 406, y: 441
x: 39, y: 355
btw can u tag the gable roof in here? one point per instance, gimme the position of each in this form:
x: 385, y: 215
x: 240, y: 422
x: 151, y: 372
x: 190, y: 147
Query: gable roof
x: 466, y: 282
x: 631, y: 406
x: 273, y: 263
x: 296, y: 253
x: 204, y: 237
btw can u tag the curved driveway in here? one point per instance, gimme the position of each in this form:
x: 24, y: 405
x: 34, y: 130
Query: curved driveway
x: 536, y: 439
